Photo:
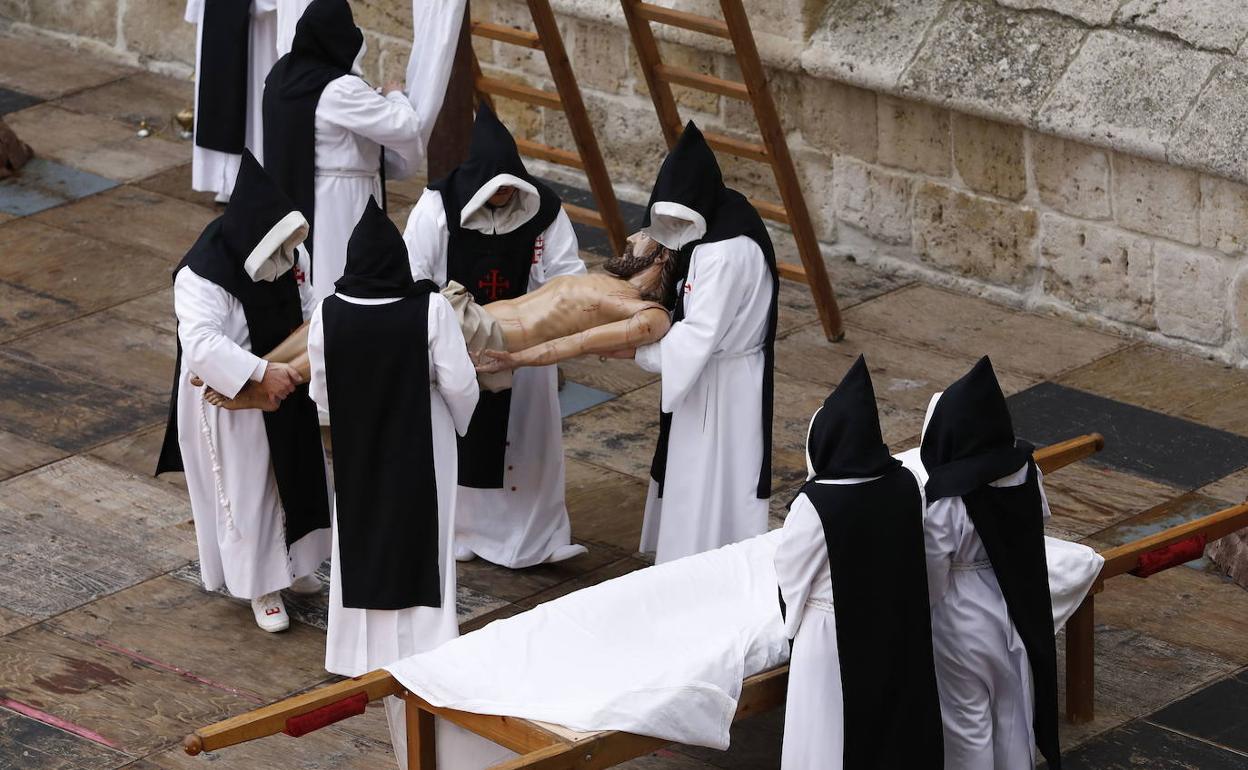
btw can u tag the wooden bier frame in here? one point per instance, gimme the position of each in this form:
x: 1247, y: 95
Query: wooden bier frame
x: 774, y: 150
x: 540, y: 746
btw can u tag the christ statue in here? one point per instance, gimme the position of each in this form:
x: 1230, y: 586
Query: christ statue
x: 607, y: 314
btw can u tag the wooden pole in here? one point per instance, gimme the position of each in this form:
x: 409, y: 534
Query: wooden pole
x: 422, y: 753
x: 452, y: 132
x: 1081, y: 663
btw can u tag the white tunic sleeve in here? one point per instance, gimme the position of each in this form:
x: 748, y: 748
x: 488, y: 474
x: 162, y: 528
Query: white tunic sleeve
x: 801, y: 561
x: 307, y: 295
x: 561, y: 253
x: 452, y: 371
x: 427, y: 238
x: 317, y: 387
x: 941, y: 534
x: 388, y: 120
x: 714, y: 293
x: 436, y: 24
x: 193, y: 9
x: 261, y: 7
x: 202, y: 308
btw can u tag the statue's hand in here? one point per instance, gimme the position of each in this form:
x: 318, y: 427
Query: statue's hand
x: 492, y: 361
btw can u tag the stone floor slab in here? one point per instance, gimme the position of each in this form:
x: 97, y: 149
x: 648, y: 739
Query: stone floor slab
x: 1184, y: 607
x: 153, y: 223
x: 155, y: 310
x: 619, y: 434
x: 611, y: 375
x: 137, y: 454
x: 1233, y: 488
x: 1226, y: 411
x: 1143, y: 746
x: 1217, y: 714
x: 1129, y: 91
x: 1164, y: 515
x: 1087, y: 498
x: 605, y: 506
x: 140, y: 97
x: 575, y: 397
x: 19, y: 454
x: 99, y: 145
x: 23, y: 310
x: 176, y: 183
x: 1157, y: 446
x: 516, y: 585
x: 333, y: 748
x: 136, y: 708
x: 171, y: 625
x: 66, y: 411
x: 1155, y: 378
x: 49, y: 70
x: 109, y: 350
x: 10, y: 621
x: 90, y: 273
x: 1032, y: 345
x: 28, y: 744
x: 44, y: 184
x: 12, y: 101
x: 984, y: 59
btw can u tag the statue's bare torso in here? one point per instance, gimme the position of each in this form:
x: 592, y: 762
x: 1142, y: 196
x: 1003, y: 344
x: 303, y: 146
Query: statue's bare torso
x: 566, y: 305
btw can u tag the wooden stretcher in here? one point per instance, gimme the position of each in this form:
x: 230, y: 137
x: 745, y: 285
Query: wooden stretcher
x: 550, y: 747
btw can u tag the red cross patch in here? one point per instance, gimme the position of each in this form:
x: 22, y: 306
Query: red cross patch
x: 493, y: 283
x: 538, y: 247
x: 300, y: 276
x: 688, y: 288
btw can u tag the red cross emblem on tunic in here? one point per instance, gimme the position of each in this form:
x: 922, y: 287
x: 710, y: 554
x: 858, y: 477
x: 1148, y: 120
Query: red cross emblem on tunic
x: 493, y: 283
x: 300, y: 276
x: 539, y: 246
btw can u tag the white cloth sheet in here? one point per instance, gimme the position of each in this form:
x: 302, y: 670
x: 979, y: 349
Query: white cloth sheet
x: 660, y: 652
x: 712, y: 368
x: 211, y: 170
x: 239, y: 522
x: 526, y: 521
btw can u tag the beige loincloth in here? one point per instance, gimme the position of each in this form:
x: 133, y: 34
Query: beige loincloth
x: 482, y: 331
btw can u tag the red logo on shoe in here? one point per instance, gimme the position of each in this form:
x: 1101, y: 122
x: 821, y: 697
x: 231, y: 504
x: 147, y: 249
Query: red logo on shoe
x: 273, y: 611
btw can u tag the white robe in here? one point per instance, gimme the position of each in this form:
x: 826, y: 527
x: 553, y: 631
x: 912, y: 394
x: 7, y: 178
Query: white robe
x: 239, y: 522
x: 712, y: 368
x: 361, y: 640
x: 212, y: 170
x: 526, y: 521
x: 288, y: 13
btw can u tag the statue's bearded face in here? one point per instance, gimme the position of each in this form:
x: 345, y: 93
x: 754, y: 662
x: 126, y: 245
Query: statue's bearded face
x: 641, y: 253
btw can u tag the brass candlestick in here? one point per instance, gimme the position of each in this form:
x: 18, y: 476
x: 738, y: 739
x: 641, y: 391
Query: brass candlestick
x: 186, y: 121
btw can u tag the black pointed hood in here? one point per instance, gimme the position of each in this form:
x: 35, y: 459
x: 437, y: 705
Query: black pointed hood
x: 377, y: 261
x: 260, y: 220
x: 690, y: 177
x: 845, y: 441
x: 969, y: 437
x: 327, y: 33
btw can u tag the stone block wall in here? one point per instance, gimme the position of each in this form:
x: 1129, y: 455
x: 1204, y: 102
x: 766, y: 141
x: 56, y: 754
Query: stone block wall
x: 1081, y: 157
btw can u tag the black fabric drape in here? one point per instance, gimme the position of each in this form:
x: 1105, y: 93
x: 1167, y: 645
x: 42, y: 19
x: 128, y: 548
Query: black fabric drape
x: 690, y: 175
x: 324, y: 48
x: 883, y: 623
x: 385, y: 481
x: 225, y: 39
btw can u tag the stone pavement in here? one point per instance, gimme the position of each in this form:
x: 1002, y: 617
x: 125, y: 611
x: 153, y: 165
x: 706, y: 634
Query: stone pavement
x: 110, y: 651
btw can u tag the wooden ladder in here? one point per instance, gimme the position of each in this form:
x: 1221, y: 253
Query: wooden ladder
x: 567, y: 99
x: 774, y: 150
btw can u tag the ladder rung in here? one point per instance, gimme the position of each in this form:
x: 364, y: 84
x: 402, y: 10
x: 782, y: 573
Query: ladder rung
x: 519, y: 92
x: 506, y: 34
x: 737, y: 147
x: 546, y: 152
x: 715, y: 85
x: 583, y: 215
x: 690, y: 21
x: 792, y: 271
x: 768, y: 210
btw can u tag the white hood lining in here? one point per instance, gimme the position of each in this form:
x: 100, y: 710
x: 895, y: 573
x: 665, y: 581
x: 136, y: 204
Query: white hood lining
x: 275, y: 254
x: 522, y: 207
x: 674, y: 224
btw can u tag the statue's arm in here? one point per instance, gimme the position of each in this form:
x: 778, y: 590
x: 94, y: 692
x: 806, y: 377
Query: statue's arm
x: 294, y: 351
x: 646, y: 326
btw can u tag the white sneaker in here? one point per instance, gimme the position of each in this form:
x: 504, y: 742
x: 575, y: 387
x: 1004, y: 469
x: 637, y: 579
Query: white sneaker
x: 308, y: 585
x: 270, y: 613
x: 565, y: 552
x: 464, y: 553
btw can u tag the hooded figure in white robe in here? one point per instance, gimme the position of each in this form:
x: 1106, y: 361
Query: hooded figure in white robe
x: 711, y: 474
x: 257, y: 480
x: 389, y: 364
x: 327, y: 130
x: 288, y: 14
x: 862, y: 683
x: 992, y: 611
x: 511, y: 502
x: 234, y: 51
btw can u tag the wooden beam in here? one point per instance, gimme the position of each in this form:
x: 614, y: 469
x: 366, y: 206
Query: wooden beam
x: 422, y: 750
x: 690, y: 21
x: 793, y: 271
x: 1124, y: 558
x: 684, y: 77
x: 452, y: 130
x: 635, y: 13
x: 1080, y: 664
x: 768, y: 210
x: 545, y: 152
x: 738, y: 147
x: 583, y: 215
x: 519, y: 92
x: 1063, y: 453
x: 271, y: 719
x: 505, y: 34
